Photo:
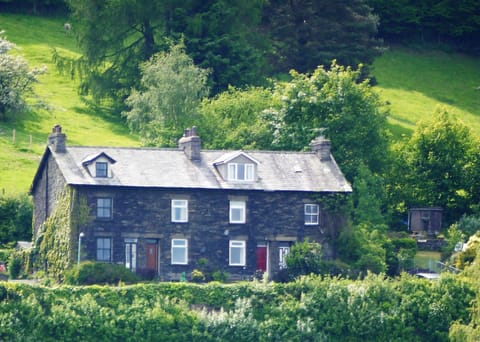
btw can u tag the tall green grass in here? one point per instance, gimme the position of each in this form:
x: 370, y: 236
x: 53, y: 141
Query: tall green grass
x: 19, y: 157
x: 416, y: 83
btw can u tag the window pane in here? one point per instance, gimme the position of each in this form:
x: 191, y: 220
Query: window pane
x: 101, y: 169
x: 240, y: 171
x: 237, y: 212
x: 179, y: 211
x: 179, y: 251
x: 311, y: 213
x: 104, y: 207
x: 237, y: 253
x: 249, y: 172
x: 103, y: 249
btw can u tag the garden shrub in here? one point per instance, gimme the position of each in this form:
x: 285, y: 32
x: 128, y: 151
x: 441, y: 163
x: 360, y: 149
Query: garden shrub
x: 14, y: 266
x: 91, y: 272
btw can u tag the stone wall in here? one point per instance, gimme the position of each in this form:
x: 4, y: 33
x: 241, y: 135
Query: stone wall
x: 145, y: 215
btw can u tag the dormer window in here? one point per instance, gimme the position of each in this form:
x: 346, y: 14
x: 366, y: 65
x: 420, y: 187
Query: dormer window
x: 99, y: 165
x: 101, y: 169
x: 240, y: 172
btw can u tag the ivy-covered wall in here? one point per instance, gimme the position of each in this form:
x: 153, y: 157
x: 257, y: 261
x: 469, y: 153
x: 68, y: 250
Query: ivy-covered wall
x: 56, y: 242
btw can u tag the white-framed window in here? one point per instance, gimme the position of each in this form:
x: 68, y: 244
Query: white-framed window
x: 179, y: 210
x: 311, y: 214
x: 104, y: 208
x: 179, y: 251
x: 104, y: 249
x: 131, y: 254
x: 237, y: 252
x: 237, y: 212
x: 241, y: 171
x: 101, y: 169
x: 283, y: 251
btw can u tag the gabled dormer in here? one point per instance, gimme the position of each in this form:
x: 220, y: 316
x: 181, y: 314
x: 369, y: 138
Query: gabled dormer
x: 237, y: 167
x: 99, y: 165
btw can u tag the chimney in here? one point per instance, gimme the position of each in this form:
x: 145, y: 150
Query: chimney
x: 191, y: 143
x: 321, y: 146
x: 57, y: 140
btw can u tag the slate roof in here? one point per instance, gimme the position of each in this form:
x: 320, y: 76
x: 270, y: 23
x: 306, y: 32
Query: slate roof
x: 170, y: 168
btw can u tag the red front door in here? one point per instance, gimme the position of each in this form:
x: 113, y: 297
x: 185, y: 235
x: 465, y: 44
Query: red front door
x: 152, y: 256
x: 262, y: 258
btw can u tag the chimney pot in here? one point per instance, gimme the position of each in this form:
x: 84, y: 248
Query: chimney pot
x: 321, y: 146
x: 57, y: 140
x: 191, y: 144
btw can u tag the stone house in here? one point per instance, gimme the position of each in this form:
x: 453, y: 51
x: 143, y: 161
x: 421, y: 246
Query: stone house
x: 160, y: 210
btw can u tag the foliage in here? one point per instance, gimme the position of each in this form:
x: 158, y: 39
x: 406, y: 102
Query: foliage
x: 308, y: 34
x: 435, y: 167
x: 56, y: 240
x: 469, y: 224
x: 363, y: 248
x: 220, y: 276
x: 453, y: 236
x: 91, y: 272
x: 423, y: 21
x: 233, y: 119
x: 331, y: 100
x: 304, y: 258
x: 311, y: 308
x: 14, y: 266
x: 16, y: 80
x: 171, y: 90
x: 197, y: 276
x: 118, y: 36
x: 468, y: 256
x: 15, y: 218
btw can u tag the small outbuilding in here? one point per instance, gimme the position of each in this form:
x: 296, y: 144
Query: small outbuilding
x: 425, y: 220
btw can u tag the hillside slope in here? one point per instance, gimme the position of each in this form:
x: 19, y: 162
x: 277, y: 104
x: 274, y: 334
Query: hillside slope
x: 23, y: 139
x: 413, y: 83
x: 416, y: 83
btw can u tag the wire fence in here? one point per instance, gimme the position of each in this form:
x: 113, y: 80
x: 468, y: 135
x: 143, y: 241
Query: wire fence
x: 22, y: 140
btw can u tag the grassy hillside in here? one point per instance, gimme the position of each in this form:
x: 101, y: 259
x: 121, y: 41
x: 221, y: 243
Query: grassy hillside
x: 19, y: 159
x: 414, y: 84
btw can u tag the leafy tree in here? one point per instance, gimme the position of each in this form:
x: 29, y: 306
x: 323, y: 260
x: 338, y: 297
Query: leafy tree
x: 350, y: 112
x: 16, y: 79
x: 233, y: 119
x: 118, y: 36
x: 172, y: 89
x: 435, y: 167
x: 306, y: 34
x: 369, y: 197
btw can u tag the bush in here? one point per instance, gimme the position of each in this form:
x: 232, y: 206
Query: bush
x: 197, y: 276
x: 305, y: 258
x: 220, y: 276
x: 90, y: 272
x: 14, y: 266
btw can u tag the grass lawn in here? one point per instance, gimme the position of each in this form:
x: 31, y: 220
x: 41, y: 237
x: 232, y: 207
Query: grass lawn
x: 19, y: 157
x: 416, y: 83
x: 426, y: 259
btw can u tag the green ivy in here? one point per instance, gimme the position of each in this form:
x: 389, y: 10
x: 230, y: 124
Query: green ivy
x: 57, y: 239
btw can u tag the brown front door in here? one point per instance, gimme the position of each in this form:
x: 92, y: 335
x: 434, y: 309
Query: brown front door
x: 152, y: 256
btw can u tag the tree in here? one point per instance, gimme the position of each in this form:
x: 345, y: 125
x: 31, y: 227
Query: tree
x: 172, y: 88
x: 435, y: 167
x: 233, y: 119
x: 306, y: 34
x: 16, y: 80
x: 116, y: 37
x: 333, y: 100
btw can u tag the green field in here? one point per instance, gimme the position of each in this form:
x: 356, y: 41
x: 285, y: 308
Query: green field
x: 19, y: 157
x: 414, y: 83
